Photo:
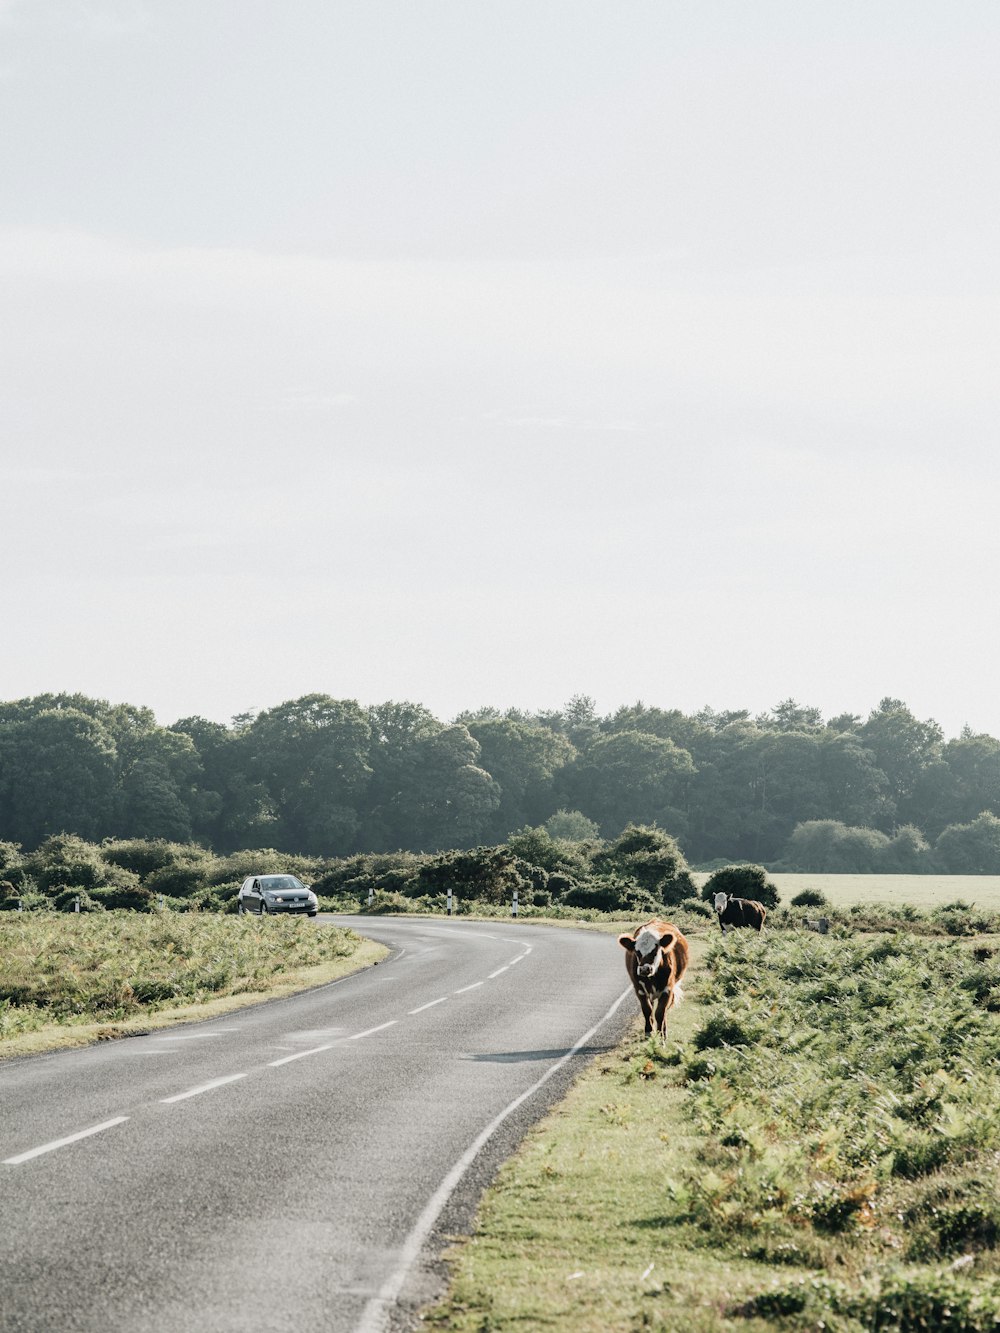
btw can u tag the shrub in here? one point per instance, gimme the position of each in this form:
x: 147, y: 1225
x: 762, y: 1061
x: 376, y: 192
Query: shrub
x: 651, y: 859
x: 571, y: 826
x: 143, y: 855
x: 178, y: 879
x: 743, y: 881
x: 810, y: 898
x: 134, y: 899
x: 65, y: 901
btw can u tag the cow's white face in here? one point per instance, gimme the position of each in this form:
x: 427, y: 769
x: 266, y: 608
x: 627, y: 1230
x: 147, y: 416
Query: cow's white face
x: 647, y: 953
x: 720, y: 902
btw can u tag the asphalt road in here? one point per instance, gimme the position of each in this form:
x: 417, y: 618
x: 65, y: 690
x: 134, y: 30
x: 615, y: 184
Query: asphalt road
x: 295, y: 1165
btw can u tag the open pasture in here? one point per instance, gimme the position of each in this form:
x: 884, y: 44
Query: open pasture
x: 923, y: 891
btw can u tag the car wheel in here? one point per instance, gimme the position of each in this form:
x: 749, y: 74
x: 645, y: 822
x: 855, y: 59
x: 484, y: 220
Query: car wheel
x: 240, y: 910
x: 263, y: 909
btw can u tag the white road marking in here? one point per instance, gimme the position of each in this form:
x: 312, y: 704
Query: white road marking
x: 358, y: 1035
x: 519, y: 959
x: 202, y: 1087
x: 465, y: 988
x: 376, y: 1312
x: 429, y: 1005
x: 61, y: 1143
x: 187, y: 1036
x: 299, y: 1055
x: 498, y: 971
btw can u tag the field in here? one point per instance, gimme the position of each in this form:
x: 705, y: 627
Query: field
x: 70, y: 979
x: 923, y: 891
x: 816, y: 1146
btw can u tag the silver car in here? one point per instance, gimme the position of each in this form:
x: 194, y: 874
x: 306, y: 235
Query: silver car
x: 267, y: 894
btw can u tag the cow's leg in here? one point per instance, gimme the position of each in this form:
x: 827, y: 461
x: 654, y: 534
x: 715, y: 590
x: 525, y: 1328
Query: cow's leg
x: 662, y: 1001
x: 646, y: 1008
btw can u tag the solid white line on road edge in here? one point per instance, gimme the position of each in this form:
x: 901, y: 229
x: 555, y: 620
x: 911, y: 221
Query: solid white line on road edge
x: 376, y: 1312
x: 429, y: 1005
x: 498, y: 971
x: 299, y: 1055
x: 202, y: 1087
x: 61, y: 1143
x: 358, y: 1035
x: 465, y: 988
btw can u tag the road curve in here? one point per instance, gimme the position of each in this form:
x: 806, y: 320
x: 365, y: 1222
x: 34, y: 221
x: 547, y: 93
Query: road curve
x: 293, y: 1166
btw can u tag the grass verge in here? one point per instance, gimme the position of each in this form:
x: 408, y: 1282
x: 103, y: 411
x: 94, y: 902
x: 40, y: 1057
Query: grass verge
x: 72, y: 980
x: 816, y: 1147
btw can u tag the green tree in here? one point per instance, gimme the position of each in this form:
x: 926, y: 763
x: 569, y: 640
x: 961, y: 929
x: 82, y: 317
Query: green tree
x: 649, y: 860
x: 311, y: 754
x: 826, y: 846
x: 902, y: 745
x: 571, y: 826
x: 523, y: 760
x: 57, y: 771
x: 451, y: 799
x: 970, y: 849
x: 629, y: 777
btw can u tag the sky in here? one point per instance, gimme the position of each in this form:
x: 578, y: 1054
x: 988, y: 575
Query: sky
x: 498, y: 352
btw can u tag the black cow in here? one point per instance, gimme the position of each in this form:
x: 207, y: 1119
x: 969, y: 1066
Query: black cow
x: 739, y: 912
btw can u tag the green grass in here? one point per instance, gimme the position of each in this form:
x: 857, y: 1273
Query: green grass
x: 816, y: 1146
x: 67, y: 979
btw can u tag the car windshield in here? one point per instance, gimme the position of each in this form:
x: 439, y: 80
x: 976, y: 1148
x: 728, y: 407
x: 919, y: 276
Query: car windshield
x: 280, y: 882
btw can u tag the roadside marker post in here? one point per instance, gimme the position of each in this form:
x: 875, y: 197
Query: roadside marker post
x: 515, y: 902
x: 76, y: 903
x: 449, y: 900
x: 371, y: 896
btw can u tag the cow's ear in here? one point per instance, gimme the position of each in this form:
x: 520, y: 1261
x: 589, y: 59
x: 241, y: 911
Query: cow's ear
x: 666, y: 940
x: 627, y: 942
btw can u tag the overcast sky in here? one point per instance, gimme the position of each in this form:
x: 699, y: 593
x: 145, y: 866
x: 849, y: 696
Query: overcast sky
x: 494, y: 351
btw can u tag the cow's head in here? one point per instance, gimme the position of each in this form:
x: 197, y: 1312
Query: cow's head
x: 647, y: 947
x: 720, y: 902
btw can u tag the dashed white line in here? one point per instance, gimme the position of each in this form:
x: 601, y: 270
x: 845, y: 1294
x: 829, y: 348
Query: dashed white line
x: 429, y: 1005
x: 299, y: 1055
x: 61, y: 1143
x: 202, y: 1087
x: 358, y: 1035
x: 519, y: 959
x: 498, y: 971
x: 465, y: 988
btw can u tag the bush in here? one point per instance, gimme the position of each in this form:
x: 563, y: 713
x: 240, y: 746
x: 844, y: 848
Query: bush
x: 651, y: 860
x: 810, y: 898
x: 65, y: 901
x: 135, y: 899
x: 143, y: 855
x: 744, y: 881
x: 178, y: 879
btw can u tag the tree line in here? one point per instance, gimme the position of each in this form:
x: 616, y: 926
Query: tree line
x: 319, y: 776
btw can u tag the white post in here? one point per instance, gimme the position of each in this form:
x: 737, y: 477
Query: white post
x: 371, y: 895
x: 449, y: 900
x: 20, y: 904
x: 515, y: 902
x: 162, y: 903
x: 76, y: 903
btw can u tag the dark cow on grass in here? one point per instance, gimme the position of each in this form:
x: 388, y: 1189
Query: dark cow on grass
x: 656, y: 956
x: 739, y: 912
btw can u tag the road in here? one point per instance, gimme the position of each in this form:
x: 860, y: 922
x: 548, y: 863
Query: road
x: 294, y: 1165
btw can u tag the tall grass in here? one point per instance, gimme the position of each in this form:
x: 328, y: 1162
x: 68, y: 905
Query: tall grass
x: 81, y: 968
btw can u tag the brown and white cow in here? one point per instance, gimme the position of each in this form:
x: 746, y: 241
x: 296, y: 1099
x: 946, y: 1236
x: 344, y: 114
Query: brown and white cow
x: 739, y: 912
x: 656, y: 956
